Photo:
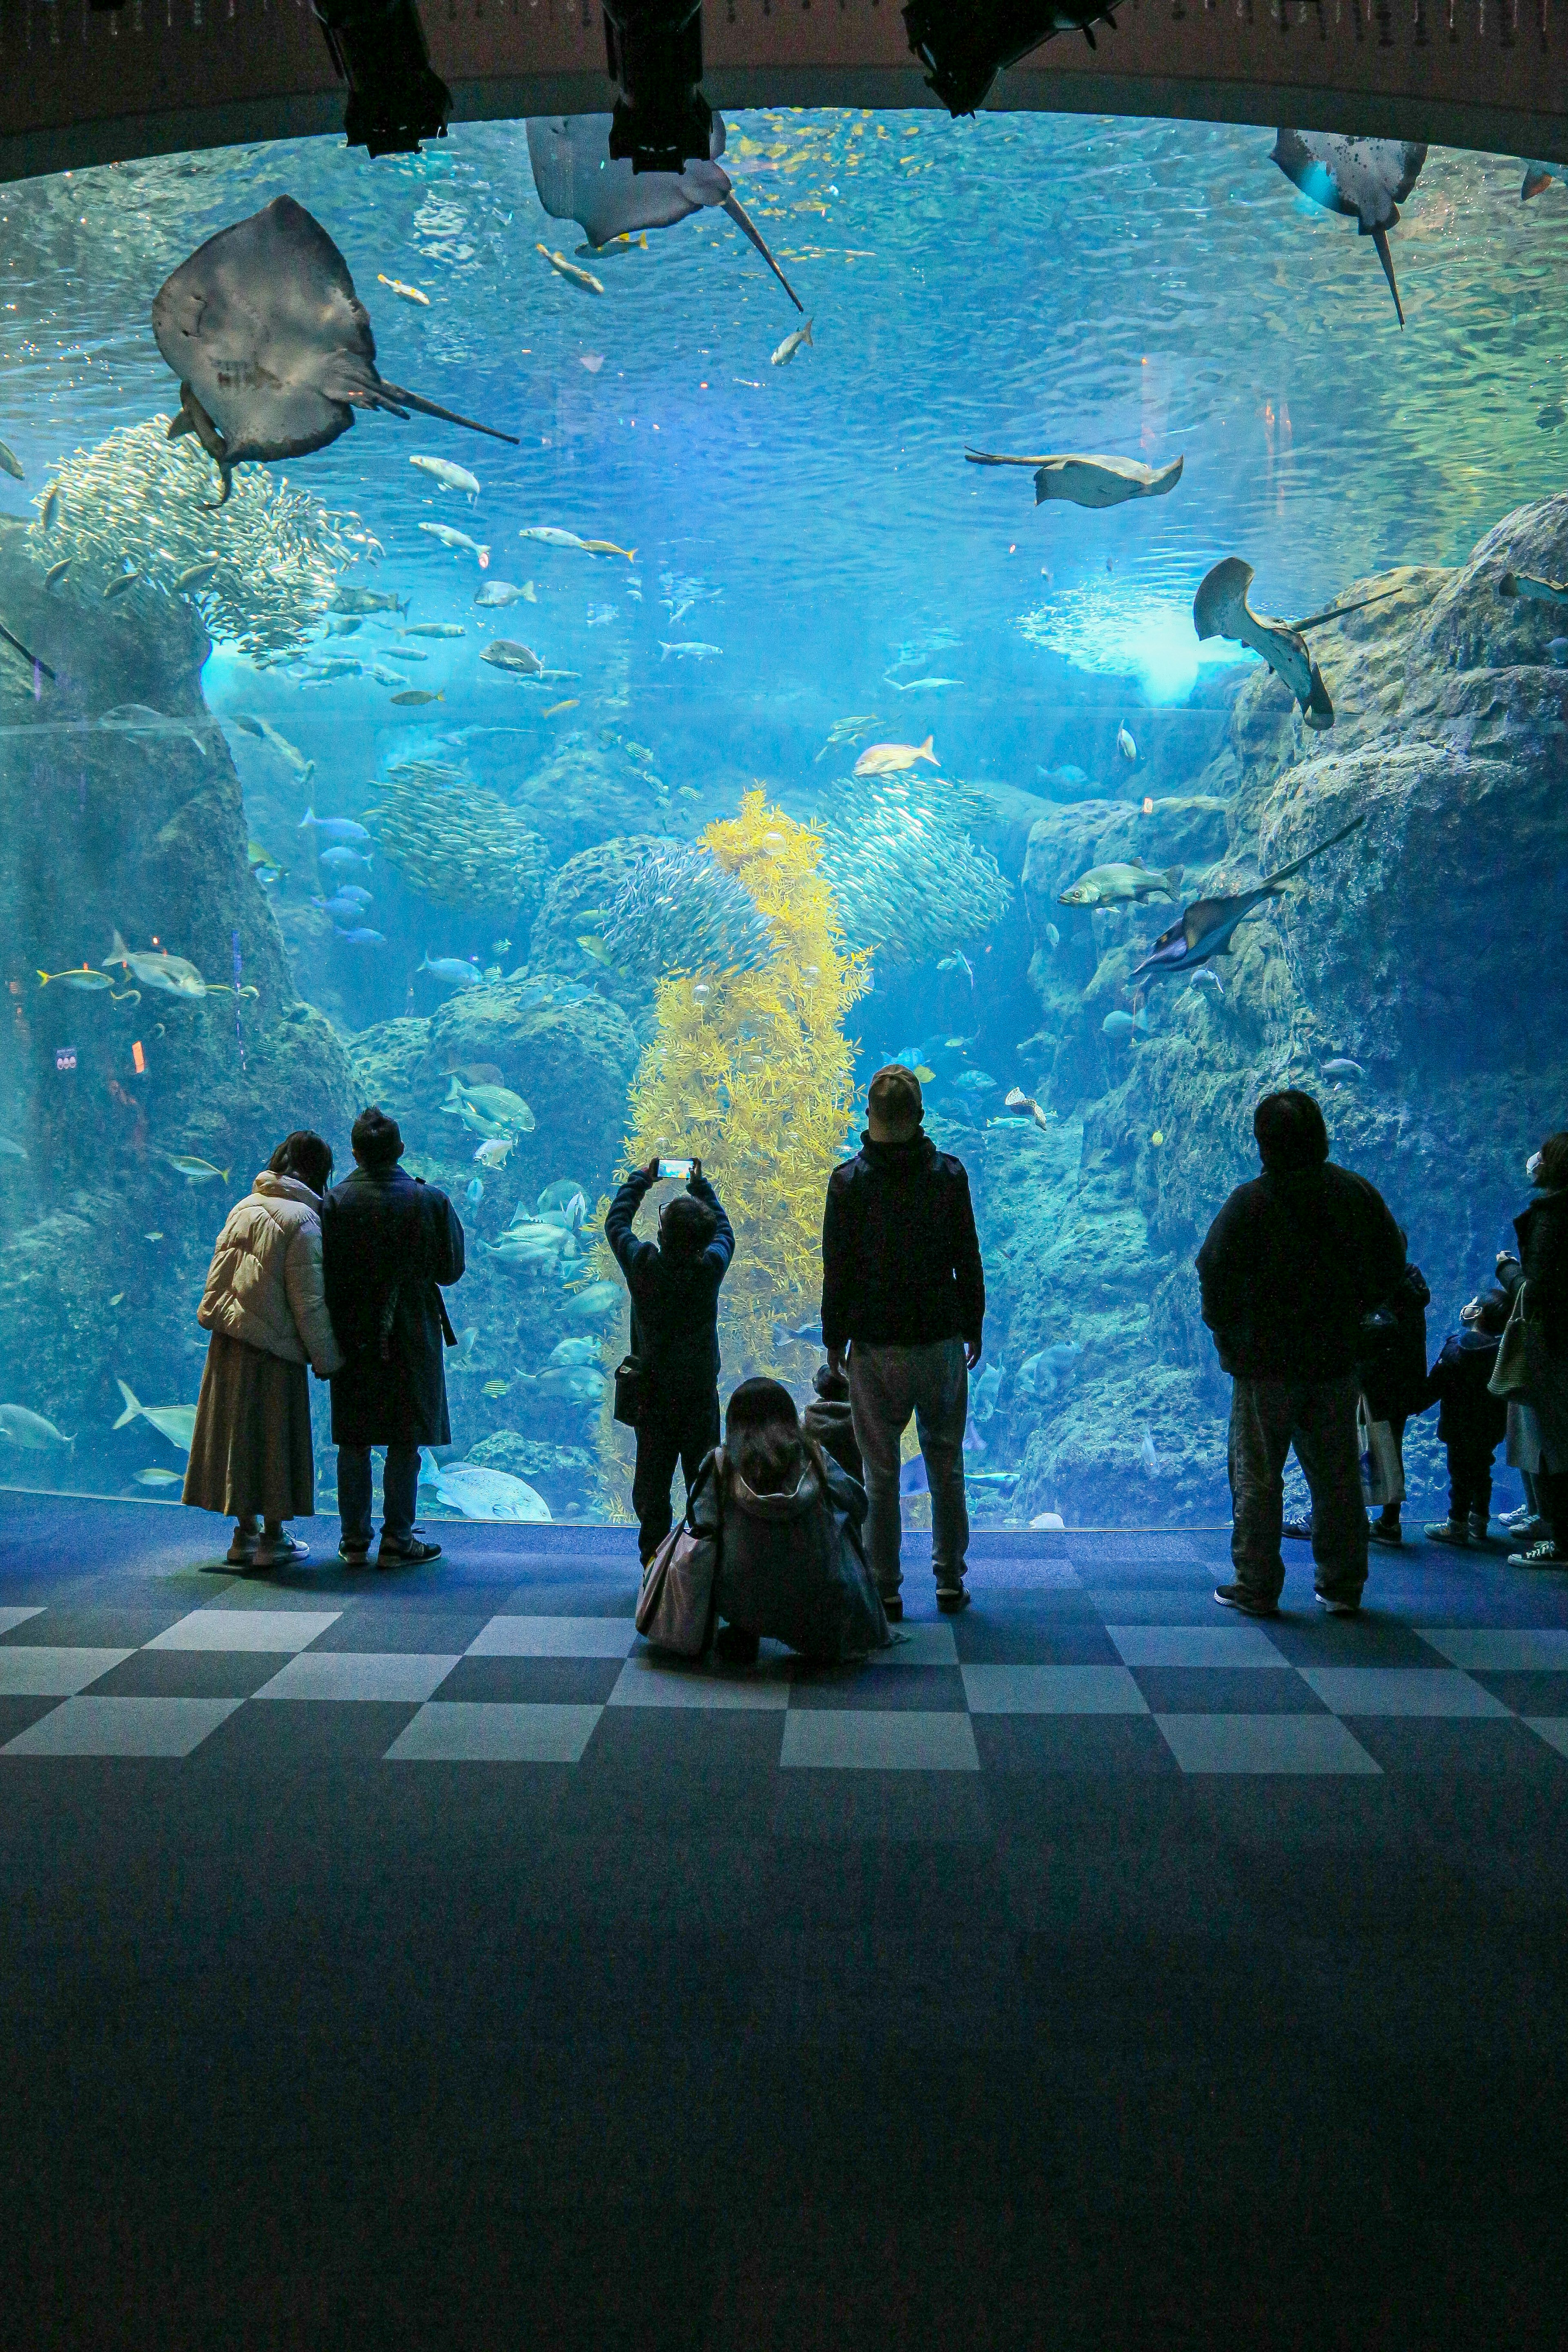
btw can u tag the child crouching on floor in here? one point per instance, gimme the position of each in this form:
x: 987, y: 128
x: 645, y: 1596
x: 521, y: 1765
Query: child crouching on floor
x: 1472, y: 1421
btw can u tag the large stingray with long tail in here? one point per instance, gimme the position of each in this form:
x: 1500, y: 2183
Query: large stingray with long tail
x: 272, y: 346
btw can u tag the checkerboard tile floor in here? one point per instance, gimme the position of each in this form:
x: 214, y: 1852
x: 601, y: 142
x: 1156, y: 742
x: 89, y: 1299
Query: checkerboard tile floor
x: 1030, y: 1678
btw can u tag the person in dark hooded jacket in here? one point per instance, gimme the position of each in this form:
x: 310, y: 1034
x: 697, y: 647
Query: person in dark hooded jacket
x: 904, y: 1293
x: 1289, y: 1266
x: 1471, y: 1422
x: 1541, y: 1226
x: 1391, y: 1359
x: 389, y: 1240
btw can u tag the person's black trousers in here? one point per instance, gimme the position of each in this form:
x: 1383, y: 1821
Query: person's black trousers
x: 1470, y: 1481
x: 674, y: 1429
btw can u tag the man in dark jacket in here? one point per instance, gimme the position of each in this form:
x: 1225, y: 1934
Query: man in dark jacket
x: 903, y: 1291
x: 388, y: 1240
x: 674, y: 1283
x: 1291, y: 1263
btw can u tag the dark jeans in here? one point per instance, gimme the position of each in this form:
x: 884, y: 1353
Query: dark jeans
x: 1318, y: 1417
x: 675, y: 1429
x: 399, y: 1481
x: 1552, y: 1486
x: 1470, y: 1481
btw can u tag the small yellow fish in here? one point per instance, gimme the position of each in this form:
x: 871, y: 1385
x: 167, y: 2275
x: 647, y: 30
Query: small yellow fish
x: 117, y: 1298
x: 194, y: 1171
x: 893, y: 758
x: 557, y: 707
x: 585, y: 279
x: 121, y: 583
x: 417, y: 694
x: 495, y: 1388
x: 1157, y: 1137
x: 152, y: 1237
x: 409, y: 293
x: 608, y: 547
x: 924, y: 1076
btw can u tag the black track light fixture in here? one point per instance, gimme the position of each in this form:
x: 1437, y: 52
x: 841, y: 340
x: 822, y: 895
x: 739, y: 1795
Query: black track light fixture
x: 661, y: 121
x: 394, y: 98
x: 965, y: 43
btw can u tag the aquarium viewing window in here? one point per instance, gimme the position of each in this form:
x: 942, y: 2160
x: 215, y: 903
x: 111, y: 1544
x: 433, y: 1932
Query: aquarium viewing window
x: 831, y: 649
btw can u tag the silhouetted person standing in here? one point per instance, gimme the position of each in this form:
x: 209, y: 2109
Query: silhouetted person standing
x: 1291, y: 1263
x: 674, y: 1283
x: 388, y: 1242
x: 902, y: 1290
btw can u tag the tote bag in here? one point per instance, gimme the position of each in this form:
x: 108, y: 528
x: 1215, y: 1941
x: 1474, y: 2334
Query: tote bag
x: 1382, y: 1470
x: 674, y: 1610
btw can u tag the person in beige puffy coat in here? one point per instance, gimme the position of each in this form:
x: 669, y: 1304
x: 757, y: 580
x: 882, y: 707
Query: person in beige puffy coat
x: 251, y: 1454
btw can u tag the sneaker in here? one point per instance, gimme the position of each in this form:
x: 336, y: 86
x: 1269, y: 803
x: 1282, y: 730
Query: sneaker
x: 356, y: 1554
x: 1241, y: 1596
x: 1481, y: 1528
x: 241, y: 1552
x: 892, y: 1608
x: 413, y: 1554
x: 1514, y: 1520
x: 1449, y: 1531
x: 1337, y: 1607
x: 950, y: 1599
x: 1546, y: 1554
x: 1385, y: 1531
x: 282, y: 1553
x: 1297, y: 1531
x: 1529, y: 1529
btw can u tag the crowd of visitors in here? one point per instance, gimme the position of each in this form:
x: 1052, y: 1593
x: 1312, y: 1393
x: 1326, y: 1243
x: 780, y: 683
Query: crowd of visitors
x: 1317, y: 1315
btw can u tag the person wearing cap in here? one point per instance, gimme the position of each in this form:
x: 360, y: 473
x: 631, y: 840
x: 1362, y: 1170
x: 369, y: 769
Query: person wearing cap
x: 388, y: 1241
x: 1289, y: 1266
x: 903, y: 1299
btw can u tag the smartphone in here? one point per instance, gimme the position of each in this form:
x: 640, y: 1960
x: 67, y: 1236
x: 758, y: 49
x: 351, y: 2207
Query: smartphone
x: 677, y: 1169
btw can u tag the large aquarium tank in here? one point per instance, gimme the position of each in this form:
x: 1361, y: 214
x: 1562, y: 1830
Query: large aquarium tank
x: 644, y: 781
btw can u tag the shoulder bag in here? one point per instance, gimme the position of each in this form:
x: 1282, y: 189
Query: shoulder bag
x: 675, y: 1610
x: 1511, y: 1373
x: 631, y: 1391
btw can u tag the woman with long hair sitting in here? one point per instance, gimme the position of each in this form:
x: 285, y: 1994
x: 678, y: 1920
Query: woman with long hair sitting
x: 791, y: 1566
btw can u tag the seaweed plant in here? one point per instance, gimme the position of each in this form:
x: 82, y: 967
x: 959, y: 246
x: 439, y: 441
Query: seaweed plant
x: 139, y: 502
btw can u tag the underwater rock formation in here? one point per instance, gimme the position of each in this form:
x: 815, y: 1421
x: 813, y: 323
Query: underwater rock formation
x: 137, y: 827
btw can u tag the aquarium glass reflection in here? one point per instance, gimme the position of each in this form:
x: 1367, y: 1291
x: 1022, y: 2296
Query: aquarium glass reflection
x: 644, y: 781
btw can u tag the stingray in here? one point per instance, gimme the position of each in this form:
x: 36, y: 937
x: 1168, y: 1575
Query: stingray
x: 1220, y: 609
x: 272, y: 346
x: 1367, y: 177
x: 576, y: 181
x: 1091, y: 481
x: 1208, y: 925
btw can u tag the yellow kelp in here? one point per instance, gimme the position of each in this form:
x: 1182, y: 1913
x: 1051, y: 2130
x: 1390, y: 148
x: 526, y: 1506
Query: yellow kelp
x: 750, y: 1073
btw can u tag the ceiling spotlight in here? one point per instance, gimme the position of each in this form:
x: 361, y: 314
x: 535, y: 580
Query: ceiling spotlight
x: 395, y: 99
x: 965, y: 43
x: 661, y: 121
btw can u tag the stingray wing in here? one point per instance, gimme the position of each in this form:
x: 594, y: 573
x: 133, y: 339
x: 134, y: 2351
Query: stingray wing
x: 576, y: 180
x: 264, y: 324
x: 1307, y: 159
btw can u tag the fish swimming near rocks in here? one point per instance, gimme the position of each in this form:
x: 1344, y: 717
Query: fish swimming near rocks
x: 495, y: 594
x: 361, y: 936
x: 518, y: 661
x: 456, y: 969
x: 458, y: 542
x: 1091, y: 481
x: 595, y: 1302
x: 264, y: 732
x: 1367, y: 179
x: 1017, y: 1100
x: 177, y: 1422
x: 1119, y: 1025
x: 171, y: 975
x: 481, y: 1493
x: 1341, y: 1067
x: 450, y: 477
x: 82, y: 976
x: 272, y: 347
x: 1537, y: 591
x: 790, y: 346
x: 495, y: 1150
x: 11, y: 464
x: 577, y: 179
x: 31, y: 1431
x: 332, y: 828
x: 500, y: 1105
x: 893, y: 758
x: 341, y: 854
x: 1208, y: 926
x: 975, y: 1082
x: 121, y: 583
x: 55, y: 573
x: 1121, y: 885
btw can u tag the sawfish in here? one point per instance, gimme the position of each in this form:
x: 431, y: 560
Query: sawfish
x: 1207, y: 926
x: 272, y: 346
x: 1365, y: 178
x: 576, y: 180
x: 1091, y: 481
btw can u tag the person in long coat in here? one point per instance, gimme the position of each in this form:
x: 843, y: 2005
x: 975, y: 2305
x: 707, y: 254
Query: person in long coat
x: 265, y: 1306
x: 389, y: 1242
x: 1542, y: 1230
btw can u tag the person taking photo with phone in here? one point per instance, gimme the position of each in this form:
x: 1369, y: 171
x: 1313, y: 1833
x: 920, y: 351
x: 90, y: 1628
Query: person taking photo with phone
x: 674, y: 1284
